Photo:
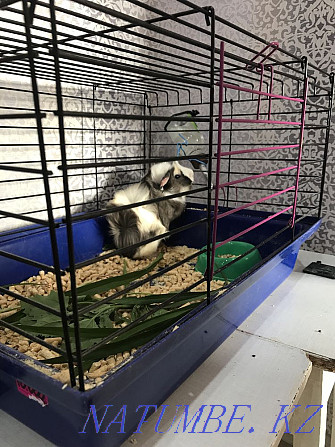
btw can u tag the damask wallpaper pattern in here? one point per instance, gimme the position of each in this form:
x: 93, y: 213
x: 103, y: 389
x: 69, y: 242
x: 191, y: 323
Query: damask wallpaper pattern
x: 306, y: 28
x: 302, y: 27
x: 85, y: 138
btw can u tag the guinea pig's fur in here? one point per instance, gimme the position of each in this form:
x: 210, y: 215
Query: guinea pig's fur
x: 135, y: 225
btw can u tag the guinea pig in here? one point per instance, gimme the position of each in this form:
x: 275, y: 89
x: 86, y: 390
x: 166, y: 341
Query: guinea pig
x: 142, y: 222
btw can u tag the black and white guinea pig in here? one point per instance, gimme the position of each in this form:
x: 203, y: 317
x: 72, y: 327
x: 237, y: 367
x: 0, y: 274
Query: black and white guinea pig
x: 135, y: 225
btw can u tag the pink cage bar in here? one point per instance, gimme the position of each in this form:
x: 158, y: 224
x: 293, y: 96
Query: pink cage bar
x: 219, y: 187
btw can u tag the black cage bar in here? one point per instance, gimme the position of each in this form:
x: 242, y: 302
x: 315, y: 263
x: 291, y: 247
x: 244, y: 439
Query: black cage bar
x: 95, y: 88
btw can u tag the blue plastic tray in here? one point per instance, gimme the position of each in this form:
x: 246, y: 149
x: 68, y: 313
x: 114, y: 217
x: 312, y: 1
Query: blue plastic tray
x: 163, y: 364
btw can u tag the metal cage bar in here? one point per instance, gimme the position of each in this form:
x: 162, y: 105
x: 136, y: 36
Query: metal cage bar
x: 161, y: 71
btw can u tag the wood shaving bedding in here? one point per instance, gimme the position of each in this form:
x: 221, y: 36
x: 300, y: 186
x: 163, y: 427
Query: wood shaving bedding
x: 42, y: 284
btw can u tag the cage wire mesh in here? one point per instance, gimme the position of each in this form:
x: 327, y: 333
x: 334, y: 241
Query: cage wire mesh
x: 86, y: 92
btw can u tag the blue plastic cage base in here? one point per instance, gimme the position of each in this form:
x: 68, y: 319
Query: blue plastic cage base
x: 159, y: 367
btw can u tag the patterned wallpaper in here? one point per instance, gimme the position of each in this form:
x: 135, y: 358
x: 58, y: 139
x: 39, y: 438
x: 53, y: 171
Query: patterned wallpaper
x: 86, y: 138
x: 305, y: 28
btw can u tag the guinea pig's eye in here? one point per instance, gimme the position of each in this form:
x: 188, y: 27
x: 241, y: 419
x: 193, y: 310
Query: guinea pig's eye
x: 177, y: 176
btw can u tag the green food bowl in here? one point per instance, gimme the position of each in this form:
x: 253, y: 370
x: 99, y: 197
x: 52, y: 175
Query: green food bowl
x: 233, y: 248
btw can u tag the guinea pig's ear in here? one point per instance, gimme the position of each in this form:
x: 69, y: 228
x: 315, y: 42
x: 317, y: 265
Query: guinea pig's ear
x: 160, y: 173
x: 187, y: 172
x: 164, y: 180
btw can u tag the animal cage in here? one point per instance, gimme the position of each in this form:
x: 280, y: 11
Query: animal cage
x: 87, y: 88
